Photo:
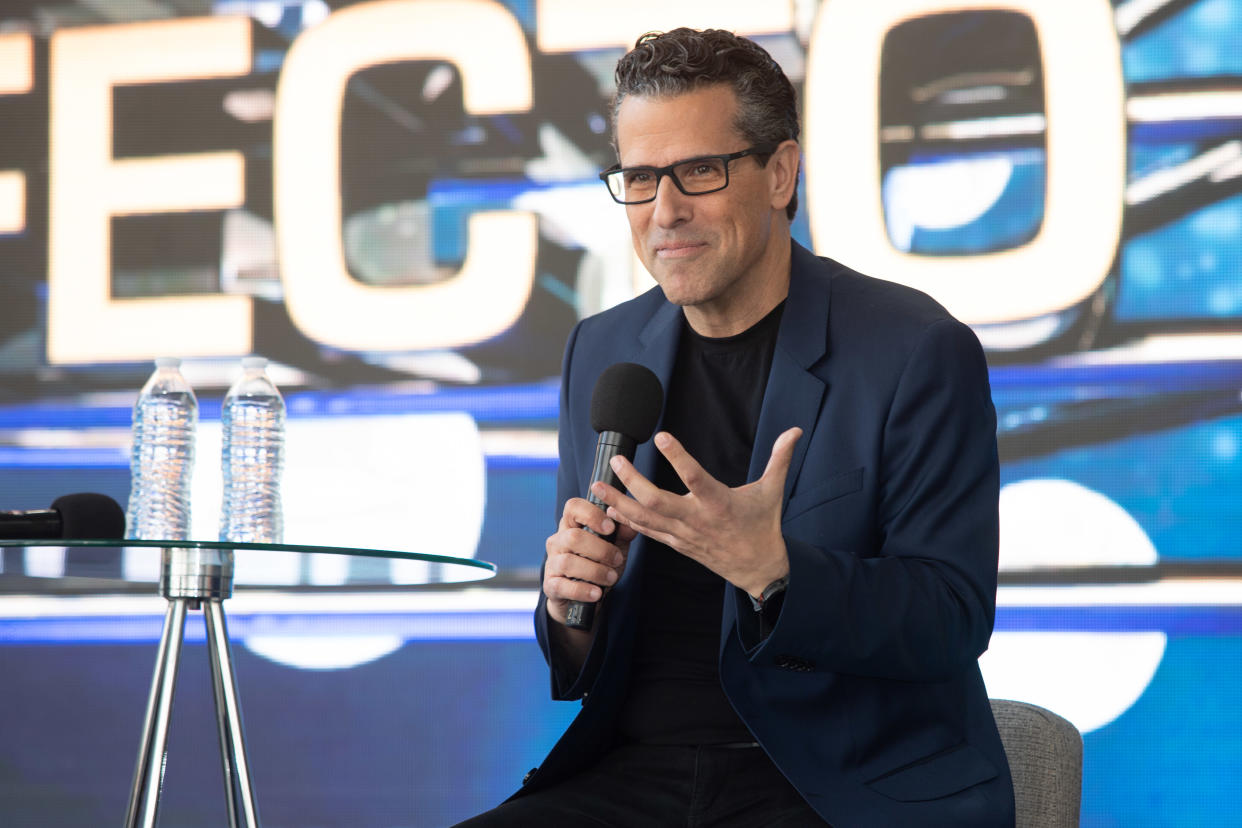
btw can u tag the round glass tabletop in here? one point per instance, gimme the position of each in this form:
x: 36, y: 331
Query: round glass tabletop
x: 58, y: 565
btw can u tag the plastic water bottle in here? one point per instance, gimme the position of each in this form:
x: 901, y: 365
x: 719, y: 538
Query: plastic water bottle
x: 253, y: 457
x: 162, y: 459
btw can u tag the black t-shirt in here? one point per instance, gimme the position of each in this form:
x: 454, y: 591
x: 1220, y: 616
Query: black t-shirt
x: 713, y: 405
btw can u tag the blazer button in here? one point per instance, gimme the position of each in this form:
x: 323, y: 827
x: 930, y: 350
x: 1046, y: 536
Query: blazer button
x: 528, y: 775
x: 797, y: 665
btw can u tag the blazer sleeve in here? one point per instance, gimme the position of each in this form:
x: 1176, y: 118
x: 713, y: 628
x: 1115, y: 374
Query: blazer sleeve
x: 921, y: 605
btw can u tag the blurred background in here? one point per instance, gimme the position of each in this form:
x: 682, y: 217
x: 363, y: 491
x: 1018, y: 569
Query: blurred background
x: 396, y: 202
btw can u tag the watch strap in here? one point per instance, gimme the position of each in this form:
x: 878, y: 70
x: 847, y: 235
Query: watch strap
x: 774, y: 588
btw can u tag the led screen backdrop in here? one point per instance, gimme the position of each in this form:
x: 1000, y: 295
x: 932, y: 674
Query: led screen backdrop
x: 396, y: 202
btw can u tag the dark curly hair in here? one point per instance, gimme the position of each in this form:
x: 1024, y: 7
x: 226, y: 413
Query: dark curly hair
x: 683, y: 60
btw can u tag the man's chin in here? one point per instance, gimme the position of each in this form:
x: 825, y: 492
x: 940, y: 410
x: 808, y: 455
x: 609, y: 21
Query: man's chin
x: 679, y: 288
x: 684, y: 300
x: 675, y: 293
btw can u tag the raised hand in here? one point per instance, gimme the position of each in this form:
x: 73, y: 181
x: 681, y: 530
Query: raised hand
x: 735, y: 532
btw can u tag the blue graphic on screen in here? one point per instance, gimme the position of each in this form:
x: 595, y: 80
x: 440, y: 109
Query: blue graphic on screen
x: 1203, y: 41
x: 1187, y: 269
x: 1002, y: 193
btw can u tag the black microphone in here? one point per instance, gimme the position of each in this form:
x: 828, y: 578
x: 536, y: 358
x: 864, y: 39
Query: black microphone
x: 625, y: 407
x: 82, y: 516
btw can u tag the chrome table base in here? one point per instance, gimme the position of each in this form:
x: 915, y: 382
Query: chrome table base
x: 190, y: 579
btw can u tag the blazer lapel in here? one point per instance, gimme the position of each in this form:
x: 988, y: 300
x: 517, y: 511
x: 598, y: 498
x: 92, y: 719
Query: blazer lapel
x: 794, y: 395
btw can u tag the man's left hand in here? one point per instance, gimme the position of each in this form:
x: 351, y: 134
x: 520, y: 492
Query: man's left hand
x: 735, y: 533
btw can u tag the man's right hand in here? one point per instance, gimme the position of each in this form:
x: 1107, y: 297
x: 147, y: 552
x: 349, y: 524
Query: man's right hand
x: 579, y: 564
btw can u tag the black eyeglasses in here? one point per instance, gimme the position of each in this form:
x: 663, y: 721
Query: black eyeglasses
x: 694, y: 176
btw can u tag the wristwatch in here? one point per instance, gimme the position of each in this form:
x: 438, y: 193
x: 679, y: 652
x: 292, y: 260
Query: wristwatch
x: 772, y: 589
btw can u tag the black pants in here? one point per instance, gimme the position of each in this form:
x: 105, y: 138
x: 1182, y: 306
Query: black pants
x: 659, y: 786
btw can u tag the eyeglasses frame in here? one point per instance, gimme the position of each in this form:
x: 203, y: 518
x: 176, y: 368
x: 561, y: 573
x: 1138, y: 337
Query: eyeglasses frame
x: 661, y: 172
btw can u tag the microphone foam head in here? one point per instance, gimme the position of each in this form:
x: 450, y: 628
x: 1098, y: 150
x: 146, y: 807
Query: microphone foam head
x: 90, y: 516
x: 628, y: 398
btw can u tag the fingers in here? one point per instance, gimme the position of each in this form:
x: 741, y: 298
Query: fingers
x: 729, y: 530
x: 579, y: 563
x: 698, y: 481
x: 572, y: 537
x: 639, y: 487
x: 645, y: 522
x: 579, y: 512
x: 782, y: 455
x: 650, y: 510
x: 571, y: 577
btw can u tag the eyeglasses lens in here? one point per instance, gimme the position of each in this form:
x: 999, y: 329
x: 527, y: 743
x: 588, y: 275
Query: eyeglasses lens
x: 639, y: 184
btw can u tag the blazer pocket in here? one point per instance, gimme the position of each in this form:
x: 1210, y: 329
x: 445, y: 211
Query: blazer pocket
x: 836, y: 486
x: 939, y: 775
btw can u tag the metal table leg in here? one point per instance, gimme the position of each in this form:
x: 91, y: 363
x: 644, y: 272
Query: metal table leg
x: 144, y: 796
x: 228, y: 718
x: 193, y: 578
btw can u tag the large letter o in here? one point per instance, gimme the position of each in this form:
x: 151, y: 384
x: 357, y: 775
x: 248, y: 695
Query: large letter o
x: 1086, y: 140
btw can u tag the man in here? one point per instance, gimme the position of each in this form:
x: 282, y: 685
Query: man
x: 804, y: 570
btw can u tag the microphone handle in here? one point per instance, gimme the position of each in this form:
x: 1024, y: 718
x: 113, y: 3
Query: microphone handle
x: 580, y: 615
x: 37, y: 524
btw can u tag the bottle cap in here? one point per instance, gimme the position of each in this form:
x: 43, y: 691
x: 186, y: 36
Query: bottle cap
x: 168, y: 362
x: 254, y: 363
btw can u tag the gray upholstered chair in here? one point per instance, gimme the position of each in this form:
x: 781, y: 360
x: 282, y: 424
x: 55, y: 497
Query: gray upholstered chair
x: 1045, y: 757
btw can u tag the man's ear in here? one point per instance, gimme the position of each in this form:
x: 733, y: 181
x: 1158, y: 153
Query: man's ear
x: 783, y: 171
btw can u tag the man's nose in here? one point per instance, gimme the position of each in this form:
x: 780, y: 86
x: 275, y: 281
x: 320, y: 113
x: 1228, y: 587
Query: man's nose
x: 671, y: 206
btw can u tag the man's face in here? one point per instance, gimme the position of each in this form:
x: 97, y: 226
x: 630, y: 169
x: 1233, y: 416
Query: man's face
x: 709, y: 252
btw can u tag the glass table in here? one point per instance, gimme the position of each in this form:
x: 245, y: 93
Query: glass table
x: 194, y: 575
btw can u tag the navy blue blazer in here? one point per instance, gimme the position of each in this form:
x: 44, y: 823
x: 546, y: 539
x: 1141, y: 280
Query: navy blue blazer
x: 867, y: 693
